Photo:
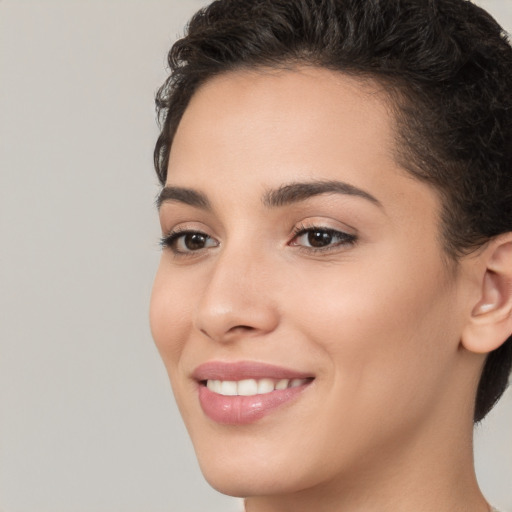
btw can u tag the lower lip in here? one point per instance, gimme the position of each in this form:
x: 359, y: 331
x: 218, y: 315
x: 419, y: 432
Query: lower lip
x: 242, y: 410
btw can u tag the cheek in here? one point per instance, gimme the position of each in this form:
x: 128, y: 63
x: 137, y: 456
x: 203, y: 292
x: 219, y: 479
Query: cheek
x: 169, y: 317
x: 386, y: 328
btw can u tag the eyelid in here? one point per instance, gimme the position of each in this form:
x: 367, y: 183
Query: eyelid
x: 341, y: 237
x: 346, y: 238
x: 173, y: 235
x: 324, y: 224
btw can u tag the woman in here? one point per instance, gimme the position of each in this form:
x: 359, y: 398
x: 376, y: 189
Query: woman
x: 334, y: 299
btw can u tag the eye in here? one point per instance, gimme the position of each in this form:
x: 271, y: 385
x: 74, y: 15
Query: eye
x: 186, y: 242
x: 320, y: 238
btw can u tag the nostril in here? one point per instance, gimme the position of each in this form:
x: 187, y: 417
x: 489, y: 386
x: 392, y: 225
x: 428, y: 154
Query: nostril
x: 232, y: 331
x: 203, y: 331
x: 241, y: 329
x: 220, y: 320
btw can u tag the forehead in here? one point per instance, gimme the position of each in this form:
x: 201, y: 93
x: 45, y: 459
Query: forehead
x: 246, y: 132
x: 269, y: 114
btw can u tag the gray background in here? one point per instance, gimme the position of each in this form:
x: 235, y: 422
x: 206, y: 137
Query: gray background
x: 87, y: 420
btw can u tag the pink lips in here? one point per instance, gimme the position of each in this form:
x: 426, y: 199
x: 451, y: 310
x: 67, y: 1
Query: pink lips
x: 242, y: 410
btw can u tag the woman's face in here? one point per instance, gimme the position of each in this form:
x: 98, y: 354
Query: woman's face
x: 306, y: 317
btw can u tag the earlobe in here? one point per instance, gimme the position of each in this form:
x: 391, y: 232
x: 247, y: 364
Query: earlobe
x: 491, y: 317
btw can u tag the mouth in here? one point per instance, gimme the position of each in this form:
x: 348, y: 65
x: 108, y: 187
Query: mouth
x: 251, y: 387
x: 244, y: 392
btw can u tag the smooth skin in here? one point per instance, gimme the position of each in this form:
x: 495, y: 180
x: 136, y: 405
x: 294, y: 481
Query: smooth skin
x: 363, y: 298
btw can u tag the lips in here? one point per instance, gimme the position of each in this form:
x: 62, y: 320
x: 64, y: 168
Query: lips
x: 244, y: 392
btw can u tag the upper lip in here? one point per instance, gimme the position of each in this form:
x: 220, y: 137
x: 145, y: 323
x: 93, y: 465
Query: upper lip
x: 240, y: 370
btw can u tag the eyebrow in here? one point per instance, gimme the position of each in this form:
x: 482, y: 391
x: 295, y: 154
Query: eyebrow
x: 183, y: 195
x: 282, y: 196
x: 296, y: 192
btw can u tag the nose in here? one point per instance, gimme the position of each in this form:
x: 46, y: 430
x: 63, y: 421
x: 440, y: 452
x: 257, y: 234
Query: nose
x: 236, y: 300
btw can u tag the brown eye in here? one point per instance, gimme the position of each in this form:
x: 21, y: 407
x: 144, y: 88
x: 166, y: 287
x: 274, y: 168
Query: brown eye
x: 194, y: 241
x: 322, y: 239
x: 319, y: 238
x: 188, y: 241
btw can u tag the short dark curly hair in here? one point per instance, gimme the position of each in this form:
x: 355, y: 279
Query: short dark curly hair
x: 446, y: 66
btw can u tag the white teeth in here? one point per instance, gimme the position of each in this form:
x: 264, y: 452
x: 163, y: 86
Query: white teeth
x: 229, y: 388
x: 297, y: 382
x: 251, y: 387
x: 213, y: 385
x: 265, y: 386
x: 248, y: 387
x: 282, y: 384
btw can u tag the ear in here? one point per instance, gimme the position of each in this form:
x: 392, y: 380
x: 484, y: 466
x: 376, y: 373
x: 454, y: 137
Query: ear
x: 491, y: 317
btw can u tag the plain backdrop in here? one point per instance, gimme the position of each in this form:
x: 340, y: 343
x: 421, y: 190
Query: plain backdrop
x: 87, y: 419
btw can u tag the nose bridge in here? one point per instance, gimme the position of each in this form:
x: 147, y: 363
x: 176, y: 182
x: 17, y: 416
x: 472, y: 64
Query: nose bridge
x: 237, y: 297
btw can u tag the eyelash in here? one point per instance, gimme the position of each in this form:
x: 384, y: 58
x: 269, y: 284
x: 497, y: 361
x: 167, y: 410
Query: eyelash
x: 170, y: 241
x: 345, y: 239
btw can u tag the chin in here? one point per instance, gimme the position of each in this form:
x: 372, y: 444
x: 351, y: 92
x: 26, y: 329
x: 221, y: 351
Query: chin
x: 263, y: 470
x: 239, y: 474
x: 244, y: 480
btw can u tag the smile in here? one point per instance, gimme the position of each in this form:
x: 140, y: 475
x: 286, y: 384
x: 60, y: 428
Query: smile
x: 244, y: 392
x: 252, y: 387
